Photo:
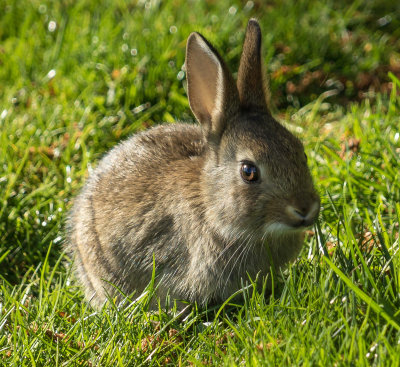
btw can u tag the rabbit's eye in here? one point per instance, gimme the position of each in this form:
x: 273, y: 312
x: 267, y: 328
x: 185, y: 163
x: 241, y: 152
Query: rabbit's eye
x: 249, y: 172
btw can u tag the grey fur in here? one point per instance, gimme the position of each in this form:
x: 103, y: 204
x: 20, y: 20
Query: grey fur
x: 175, y: 192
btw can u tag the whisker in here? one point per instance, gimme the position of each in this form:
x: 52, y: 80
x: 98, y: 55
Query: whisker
x: 243, y: 251
x: 231, y: 257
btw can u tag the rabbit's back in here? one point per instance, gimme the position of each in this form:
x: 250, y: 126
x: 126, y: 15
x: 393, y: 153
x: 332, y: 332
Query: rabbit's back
x: 123, y: 215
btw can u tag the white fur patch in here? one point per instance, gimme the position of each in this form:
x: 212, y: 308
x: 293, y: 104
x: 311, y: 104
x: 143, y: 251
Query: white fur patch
x: 278, y: 229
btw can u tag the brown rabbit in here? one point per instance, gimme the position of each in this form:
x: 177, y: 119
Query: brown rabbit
x: 212, y: 204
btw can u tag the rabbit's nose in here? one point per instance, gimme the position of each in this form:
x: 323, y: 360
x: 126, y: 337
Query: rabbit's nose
x: 304, y: 215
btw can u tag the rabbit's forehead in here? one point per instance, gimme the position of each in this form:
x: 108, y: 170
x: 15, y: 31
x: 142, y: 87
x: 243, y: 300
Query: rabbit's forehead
x: 266, y: 143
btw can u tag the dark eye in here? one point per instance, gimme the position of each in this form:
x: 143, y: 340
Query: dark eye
x: 249, y: 172
x: 305, y: 155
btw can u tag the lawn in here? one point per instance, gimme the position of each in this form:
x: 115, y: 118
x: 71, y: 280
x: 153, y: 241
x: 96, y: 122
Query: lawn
x: 78, y: 77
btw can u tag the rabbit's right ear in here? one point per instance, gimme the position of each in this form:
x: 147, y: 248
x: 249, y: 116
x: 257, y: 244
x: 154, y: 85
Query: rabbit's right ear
x: 213, y: 95
x: 250, y: 75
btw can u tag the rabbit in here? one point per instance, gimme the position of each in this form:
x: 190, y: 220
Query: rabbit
x: 210, y: 205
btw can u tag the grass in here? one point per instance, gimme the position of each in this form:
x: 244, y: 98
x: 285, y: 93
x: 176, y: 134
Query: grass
x: 72, y: 89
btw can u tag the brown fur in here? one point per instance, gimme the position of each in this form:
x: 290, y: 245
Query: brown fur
x: 175, y: 192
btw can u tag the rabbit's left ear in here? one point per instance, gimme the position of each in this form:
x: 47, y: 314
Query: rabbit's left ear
x: 250, y: 80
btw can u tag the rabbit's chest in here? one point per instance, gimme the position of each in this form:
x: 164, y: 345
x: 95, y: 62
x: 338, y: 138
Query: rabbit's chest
x: 215, y: 271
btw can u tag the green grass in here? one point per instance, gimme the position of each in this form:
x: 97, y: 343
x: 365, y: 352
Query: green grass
x: 109, y: 69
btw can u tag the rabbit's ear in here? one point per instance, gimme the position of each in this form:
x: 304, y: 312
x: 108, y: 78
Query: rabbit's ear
x: 213, y: 95
x: 250, y: 75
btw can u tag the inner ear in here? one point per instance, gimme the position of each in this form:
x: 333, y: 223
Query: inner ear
x: 204, y: 75
x: 212, y: 92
